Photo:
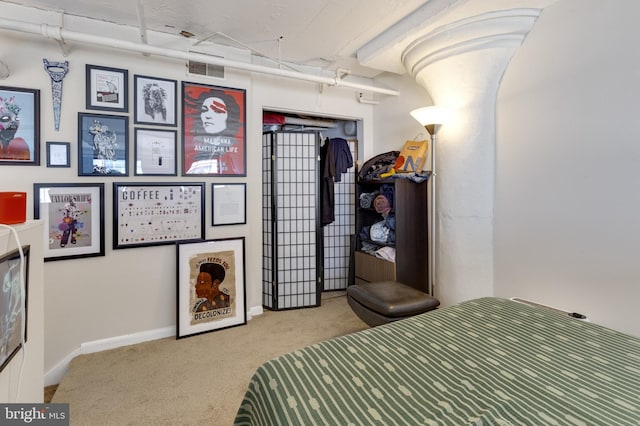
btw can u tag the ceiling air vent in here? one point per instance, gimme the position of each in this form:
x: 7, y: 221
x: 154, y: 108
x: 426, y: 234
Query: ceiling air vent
x: 200, y: 68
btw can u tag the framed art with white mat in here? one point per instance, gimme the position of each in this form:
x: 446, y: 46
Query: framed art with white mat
x: 210, y: 286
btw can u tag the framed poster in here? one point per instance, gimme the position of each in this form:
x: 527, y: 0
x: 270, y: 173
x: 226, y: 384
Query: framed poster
x: 73, y: 216
x: 229, y: 203
x: 103, y: 145
x: 213, y: 130
x: 211, y: 286
x: 155, y: 152
x: 20, y: 126
x: 155, y: 100
x: 107, y: 88
x: 14, y: 272
x: 146, y: 214
x: 58, y: 154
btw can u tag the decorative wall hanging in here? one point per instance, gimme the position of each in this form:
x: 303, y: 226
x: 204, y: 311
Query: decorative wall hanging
x: 19, y: 126
x: 213, y: 130
x: 155, y: 100
x: 107, y: 88
x: 155, y: 152
x: 146, y: 214
x: 57, y: 71
x: 211, y: 286
x: 12, y: 314
x: 73, y: 216
x: 103, y: 145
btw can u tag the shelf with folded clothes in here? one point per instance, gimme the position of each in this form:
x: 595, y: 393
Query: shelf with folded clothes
x: 391, y: 227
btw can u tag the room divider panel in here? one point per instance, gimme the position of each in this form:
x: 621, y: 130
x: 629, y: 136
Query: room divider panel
x: 337, y: 235
x: 292, y: 244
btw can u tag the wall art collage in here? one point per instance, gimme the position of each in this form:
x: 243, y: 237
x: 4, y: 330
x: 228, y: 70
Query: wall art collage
x: 202, y: 132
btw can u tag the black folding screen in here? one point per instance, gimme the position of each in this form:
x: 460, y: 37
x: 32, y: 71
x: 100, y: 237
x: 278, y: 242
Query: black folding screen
x: 301, y: 258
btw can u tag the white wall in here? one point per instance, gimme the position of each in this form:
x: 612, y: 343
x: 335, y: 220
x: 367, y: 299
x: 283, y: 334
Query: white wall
x: 392, y: 123
x: 567, y: 214
x: 129, y: 295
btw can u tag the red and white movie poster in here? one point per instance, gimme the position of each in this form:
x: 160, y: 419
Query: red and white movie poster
x: 213, y: 122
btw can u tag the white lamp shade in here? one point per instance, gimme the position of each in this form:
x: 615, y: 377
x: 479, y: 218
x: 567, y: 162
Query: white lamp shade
x: 430, y: 115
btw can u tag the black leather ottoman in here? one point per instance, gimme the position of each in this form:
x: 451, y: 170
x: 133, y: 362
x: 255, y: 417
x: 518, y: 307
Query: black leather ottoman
x: 386, y: 301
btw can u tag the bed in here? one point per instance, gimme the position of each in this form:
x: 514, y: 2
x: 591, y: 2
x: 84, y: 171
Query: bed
x: 487, y: 361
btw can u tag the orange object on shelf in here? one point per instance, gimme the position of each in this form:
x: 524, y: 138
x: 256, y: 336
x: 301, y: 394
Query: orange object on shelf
x: 13, y: 207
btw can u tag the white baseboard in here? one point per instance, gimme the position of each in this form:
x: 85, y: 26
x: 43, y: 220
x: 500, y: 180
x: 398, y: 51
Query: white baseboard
x: 254, y: 312
x: 575, y: 315
x: 55, y: 374
x: 126, y: 340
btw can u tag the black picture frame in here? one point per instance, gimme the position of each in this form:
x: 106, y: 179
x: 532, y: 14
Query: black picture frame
x: 211, y: 287
x: 107, y: 88
x: 58, y: 154
x: 14, y: 267
x: 156, y: 101
x: 155, y: 152
x: 228, y: 204
x: 213, y: 135
x: 73, y: 216
x: 149, y: 214
x: 103, y: 145
x: 21, y: 106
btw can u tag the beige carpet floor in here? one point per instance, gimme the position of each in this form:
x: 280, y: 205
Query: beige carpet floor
x: 199, y: 380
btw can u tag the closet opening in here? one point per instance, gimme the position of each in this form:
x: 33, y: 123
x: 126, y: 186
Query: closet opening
x: 308, y: 218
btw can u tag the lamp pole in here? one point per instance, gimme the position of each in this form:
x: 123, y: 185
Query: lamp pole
x: 433, y: 130
x: 432, y: 118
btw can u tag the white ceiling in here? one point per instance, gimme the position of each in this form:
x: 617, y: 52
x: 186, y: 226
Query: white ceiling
x: 320, y: 33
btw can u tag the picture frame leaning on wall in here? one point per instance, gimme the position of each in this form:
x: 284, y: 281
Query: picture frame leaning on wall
x: 211, y: 289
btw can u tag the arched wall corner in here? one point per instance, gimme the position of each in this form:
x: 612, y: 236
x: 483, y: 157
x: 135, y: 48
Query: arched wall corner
x: 461, y: 64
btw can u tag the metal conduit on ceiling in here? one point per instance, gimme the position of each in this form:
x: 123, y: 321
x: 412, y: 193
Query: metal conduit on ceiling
x: 61, y: 35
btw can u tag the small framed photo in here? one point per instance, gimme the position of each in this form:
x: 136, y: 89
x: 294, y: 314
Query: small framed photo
x: 146, y: 214
x: 107, y: 88
x: 73, y: 216
x: 155, y: 100
x: 13, y: 312
x: 103, y: 145
x: 20, y: 126
x: 211, y: 286
x: 229, y: 203
x: 58, y: 154
x: 155, y: 152
x: 213, y: 130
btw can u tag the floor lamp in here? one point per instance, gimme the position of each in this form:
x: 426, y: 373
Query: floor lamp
x: 431, y: 118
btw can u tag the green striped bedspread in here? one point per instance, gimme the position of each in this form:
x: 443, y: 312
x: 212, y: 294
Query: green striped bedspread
x: 487, y: 361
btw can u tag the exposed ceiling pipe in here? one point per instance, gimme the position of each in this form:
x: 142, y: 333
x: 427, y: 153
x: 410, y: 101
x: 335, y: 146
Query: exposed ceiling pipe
x: 58, y: 33
x: 142, y: 22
